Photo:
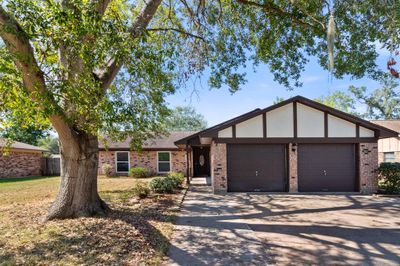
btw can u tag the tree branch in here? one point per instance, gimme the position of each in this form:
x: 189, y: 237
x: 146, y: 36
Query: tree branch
x: 179, y: 31
x: 101, y: 6
x: 271, y: 8
x: 112, y: 67
x: 17, y: 43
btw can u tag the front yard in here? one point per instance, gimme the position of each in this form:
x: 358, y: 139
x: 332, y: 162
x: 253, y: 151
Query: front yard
x: 135, y: 232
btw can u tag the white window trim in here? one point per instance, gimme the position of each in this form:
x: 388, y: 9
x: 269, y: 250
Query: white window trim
x: 116, y: 161
x: 170, y: 162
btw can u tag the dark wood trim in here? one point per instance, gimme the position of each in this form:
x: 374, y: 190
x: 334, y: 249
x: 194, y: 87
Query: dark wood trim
x: 357, y: 131
x: 326, y: 124
x: 264, y: 118
x: 233, y: 131
x: 295, y: 119
x: 294, y: 140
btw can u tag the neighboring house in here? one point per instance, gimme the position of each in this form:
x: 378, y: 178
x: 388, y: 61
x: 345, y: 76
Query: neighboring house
x: 297, y: 145
x: 159, y: 155
x: 389, y: 148
x: 20, y: 159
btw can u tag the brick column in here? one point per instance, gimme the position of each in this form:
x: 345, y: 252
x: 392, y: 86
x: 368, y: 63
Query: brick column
x: 368, y: 166
x: 218, y: 167
x: 293, y: 180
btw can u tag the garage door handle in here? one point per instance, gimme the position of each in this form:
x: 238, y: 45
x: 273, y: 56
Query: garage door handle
x: 324, y: 172
x: 256, y: 173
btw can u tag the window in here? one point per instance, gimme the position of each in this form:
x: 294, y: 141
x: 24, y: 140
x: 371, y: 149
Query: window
x: 164, y: 162
x: 388, y: 157
x: 122, y: 161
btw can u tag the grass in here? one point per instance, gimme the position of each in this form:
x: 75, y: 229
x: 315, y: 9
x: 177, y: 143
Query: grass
x: 135, y: 232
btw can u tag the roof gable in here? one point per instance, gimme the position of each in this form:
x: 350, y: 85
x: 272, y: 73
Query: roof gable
x: 318, y: 109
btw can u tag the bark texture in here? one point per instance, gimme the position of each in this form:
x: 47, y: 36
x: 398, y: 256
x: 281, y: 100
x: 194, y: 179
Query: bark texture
x: 78, y: 195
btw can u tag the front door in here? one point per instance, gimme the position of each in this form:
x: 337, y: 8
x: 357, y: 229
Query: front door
x: 201, y: 161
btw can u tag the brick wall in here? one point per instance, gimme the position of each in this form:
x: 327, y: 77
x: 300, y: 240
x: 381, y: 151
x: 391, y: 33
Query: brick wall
x: 19, y: 164
x: 293, y: 175
x: 146, y: 159
x: 218, y: 167
x: 368, y: 167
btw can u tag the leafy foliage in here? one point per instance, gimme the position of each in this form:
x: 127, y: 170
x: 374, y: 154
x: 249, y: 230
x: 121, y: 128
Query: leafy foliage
x: 107, y: 169
x: 50, y: 143
x: 163, y: 184
x: 185, y: 118
x: 339, y: 100
x: 141, y: 190
x: 389, y: 174
x: 139, y: 172
x: 383, y: 102
x: 177, y: 177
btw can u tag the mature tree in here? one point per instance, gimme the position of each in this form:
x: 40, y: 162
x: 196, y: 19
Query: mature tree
x: 185, y: 118
x: 103, y: 67
x: 381, y: 103
x: 50, y: 143
x: 341, y: 101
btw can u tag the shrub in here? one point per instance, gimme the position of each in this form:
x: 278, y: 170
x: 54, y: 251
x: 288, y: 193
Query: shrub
x: 389, y: 175
x: 139, y: 172
x: 162, y: 184
x: 141, y: 190
x: 107, y: 169
x: 178, y: 178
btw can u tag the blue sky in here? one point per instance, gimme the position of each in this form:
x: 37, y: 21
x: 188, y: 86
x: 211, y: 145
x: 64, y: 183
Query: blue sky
x: 261, y: 90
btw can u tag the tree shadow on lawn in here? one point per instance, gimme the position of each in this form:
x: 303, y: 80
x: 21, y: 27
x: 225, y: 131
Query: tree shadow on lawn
x: 126, y: 235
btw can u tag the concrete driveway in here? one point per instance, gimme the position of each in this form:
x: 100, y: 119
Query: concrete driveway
x: 254, y: 229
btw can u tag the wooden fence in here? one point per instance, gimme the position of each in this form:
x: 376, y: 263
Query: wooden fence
x: 51, y: 166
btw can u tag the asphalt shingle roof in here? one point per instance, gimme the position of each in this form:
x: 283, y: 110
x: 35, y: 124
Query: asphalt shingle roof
x: 20, y: 145
x: 162, y: 142
x: 390, y: 124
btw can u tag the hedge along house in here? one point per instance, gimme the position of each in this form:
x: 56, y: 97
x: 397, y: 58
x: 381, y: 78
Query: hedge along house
x: 159, y: 155
x: 297, y: 145
x: 20, y: 159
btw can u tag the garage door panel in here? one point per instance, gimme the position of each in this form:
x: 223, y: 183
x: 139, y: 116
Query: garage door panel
x: 326, y: 167
x: 256, y: 168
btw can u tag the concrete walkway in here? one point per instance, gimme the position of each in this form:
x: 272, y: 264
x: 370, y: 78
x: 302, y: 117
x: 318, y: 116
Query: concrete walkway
x: 204, y: 235
x: 282, y: 229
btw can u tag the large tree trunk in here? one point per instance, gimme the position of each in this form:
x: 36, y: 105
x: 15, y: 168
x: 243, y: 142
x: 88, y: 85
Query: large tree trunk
x: 78, y: 195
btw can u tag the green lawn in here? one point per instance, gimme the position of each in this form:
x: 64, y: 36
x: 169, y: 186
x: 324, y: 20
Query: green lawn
x: 135, y: 232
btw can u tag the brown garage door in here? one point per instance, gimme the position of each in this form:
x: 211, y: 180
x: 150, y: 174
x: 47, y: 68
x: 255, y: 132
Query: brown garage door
x: 256, y: 167
x: 327, y: 168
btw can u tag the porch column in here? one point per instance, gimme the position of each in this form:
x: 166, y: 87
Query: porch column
x: 218, y: 167
x: 293, y: 174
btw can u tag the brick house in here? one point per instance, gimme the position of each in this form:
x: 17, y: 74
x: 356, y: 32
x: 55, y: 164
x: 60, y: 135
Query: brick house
x: 20, y: 159
x: 389, y: 148
x: 297, y: 145
x: 159, y: 155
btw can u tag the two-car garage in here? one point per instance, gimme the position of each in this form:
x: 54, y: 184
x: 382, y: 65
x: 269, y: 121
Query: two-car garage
x: 297, y: 145
x: 264, y: 167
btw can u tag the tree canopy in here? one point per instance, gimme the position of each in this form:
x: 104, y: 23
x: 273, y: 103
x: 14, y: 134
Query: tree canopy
x: 185, y: 118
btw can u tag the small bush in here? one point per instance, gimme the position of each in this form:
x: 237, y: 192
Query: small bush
x: 178, y: 178
x: 139, y: 172
x: 141, y: 190
x: 162, y: 184
x: 107, y: 170
x: 389, y: 175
